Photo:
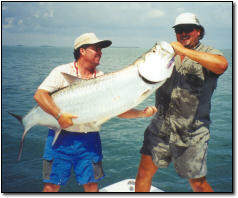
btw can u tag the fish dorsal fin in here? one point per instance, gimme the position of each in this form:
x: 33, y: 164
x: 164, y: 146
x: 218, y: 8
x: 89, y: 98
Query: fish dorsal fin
x: 72, y: 79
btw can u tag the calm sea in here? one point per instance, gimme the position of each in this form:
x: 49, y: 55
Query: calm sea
x: 24, y: 68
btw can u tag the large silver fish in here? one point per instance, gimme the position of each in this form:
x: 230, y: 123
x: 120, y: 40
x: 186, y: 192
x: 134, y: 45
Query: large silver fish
x: 97, y: 100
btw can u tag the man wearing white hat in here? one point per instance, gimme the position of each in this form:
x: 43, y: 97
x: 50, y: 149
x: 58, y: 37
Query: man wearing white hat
x: 179, y: 132
x: 80, y: 151
x: 57, y: 162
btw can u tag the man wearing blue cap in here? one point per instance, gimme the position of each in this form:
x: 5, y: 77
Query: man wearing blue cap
x: 179, y: 132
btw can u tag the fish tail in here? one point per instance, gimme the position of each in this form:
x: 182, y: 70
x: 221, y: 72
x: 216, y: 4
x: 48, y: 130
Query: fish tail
x: 21, y: 145
x: 18, y: 117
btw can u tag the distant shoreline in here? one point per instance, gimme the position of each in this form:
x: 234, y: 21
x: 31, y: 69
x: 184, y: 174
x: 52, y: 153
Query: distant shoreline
x: 21, y: 45
x: 51, y: 46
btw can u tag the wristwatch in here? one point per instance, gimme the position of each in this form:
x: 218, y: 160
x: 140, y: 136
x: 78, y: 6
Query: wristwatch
x: 58, y: 116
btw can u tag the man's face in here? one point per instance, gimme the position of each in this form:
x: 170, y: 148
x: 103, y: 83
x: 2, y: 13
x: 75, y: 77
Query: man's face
x: 93, y: 55
x: 187, y: 35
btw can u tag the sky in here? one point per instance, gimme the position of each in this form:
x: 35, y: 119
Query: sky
x: 126, y: 24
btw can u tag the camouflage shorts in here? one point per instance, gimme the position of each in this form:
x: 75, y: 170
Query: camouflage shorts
x: 188, y: 151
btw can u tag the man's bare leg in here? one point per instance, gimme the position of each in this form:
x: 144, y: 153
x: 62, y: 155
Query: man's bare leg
x: 146, y: 171
x: 200, y: 185
x: 90, y: 187
x: 48, y: 187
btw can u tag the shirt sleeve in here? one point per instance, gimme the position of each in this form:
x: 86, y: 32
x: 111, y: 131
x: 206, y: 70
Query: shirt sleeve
x: 53, y: 81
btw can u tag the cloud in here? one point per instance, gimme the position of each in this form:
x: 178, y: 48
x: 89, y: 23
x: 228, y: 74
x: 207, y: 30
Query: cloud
x: 155, y: 14
x: 36, y: 15
x: 179, y: 10
x: 8, y: 22
x: 49, y: 14
x: 127, y: 21
x: 4, y: 7
x: 20, y: 22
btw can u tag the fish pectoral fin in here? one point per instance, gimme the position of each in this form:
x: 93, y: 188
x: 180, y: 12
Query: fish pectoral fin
x: 57, y: 132
x: 70, y: 78
x: 143, y: 96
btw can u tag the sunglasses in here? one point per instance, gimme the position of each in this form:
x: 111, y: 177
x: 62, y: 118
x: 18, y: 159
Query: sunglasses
x: 185, y: 29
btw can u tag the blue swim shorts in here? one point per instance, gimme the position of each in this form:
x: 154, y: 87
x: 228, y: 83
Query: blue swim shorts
x: 81, y: 152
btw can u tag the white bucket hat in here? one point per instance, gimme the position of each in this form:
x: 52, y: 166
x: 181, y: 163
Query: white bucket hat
x: 89, y: 39
x: 186, y: 18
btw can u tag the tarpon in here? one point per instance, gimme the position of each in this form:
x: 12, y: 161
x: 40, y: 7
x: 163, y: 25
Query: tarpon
x: 97, y: 100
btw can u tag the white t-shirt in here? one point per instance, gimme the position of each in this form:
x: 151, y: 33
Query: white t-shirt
x: 55, y: 80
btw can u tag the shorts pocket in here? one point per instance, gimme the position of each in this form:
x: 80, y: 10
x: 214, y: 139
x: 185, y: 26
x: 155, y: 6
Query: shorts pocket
x: 197, y: 136
x: 97, y: 170
x: 47, y: 167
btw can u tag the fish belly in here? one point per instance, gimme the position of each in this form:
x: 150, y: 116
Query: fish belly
x: 98, y: 102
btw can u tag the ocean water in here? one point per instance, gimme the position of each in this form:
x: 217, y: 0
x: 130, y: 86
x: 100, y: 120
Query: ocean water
x: 24, y: 68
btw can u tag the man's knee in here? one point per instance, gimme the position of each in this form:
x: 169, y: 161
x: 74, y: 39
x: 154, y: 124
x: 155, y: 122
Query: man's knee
x: 91, y: 187
x: 147, y: 168
x: 200, y: 185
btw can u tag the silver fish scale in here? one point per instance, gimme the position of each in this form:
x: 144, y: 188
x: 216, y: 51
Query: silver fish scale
x: 94, y: 102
